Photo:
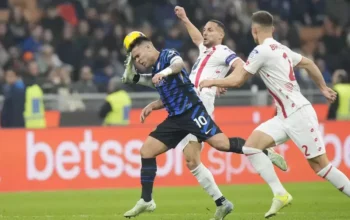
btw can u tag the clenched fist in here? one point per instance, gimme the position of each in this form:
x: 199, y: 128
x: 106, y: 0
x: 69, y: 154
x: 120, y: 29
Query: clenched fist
x: 180, y: 12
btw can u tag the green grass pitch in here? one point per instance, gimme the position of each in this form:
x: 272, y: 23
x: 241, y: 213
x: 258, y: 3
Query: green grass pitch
x: 312, y: 201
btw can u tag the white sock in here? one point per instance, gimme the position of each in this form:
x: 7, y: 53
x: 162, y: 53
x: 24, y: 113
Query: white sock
x: 207, y: 181
x: 264, y: 167
x: 336, y: 177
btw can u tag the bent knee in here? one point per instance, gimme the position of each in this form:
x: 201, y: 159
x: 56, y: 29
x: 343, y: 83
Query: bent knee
x: 192, y: 163
x: 146, y: 152
x: 319, y: 162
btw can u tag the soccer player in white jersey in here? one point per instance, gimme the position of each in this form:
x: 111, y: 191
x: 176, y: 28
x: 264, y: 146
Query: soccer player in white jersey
x: 296, y: 118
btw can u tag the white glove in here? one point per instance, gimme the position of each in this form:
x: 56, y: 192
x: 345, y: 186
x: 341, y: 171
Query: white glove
x: 130, y: 70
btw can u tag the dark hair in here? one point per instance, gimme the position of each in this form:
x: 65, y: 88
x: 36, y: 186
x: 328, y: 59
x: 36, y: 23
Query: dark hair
x: 263, y: 18
x: 219, y: 23
x: 137, y: 42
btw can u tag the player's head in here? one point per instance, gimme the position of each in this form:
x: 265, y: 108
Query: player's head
x: 143, y: 51
x: 262, y: 25
x: 213, y: 33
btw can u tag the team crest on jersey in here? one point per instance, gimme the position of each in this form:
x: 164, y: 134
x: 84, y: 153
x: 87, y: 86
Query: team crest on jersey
x: 253, y: 53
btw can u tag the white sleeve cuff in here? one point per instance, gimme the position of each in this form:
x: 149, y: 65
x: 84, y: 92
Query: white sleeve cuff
x: 176, y: 59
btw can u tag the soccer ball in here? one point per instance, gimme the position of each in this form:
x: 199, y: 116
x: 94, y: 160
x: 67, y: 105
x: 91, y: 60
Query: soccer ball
x: 131, y: 37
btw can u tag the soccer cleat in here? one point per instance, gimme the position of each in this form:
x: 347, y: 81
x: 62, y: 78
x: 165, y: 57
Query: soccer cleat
x: 223, y: 210
x: 279, y: 202
x: 141, y: 207
x: 277, y: 159
x: 129, y: 71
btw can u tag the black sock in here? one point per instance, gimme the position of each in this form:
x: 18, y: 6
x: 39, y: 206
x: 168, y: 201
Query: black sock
x: 220, y: 200
x: 266, y: 152
x: 236, y: 145
x: 148, y: 173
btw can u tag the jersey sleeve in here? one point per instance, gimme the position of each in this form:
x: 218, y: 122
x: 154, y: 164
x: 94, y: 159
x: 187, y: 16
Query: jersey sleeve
x: 255, y: 60
x: 171, y: 55
x: 295, y: 57
x: 227, y: 56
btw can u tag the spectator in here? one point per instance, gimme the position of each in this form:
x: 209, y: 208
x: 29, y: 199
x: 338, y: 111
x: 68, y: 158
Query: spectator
x: 5, y: 36
x: 116, y: 109
x: 34, y: 41
x: 47, y: 59
x: 85, y: 84
x: 339, y: 109
x: 17, y: 25
x: 13, y: 108
x: 67, y: 50
x: 53, y: 22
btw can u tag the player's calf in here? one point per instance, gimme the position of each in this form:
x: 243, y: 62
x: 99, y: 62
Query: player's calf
x: 151, y: 148
x: 204, y: 177
x: 326, y: 170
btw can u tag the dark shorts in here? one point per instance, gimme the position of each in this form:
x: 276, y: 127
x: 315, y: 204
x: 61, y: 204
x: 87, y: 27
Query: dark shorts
x: 194, y: 121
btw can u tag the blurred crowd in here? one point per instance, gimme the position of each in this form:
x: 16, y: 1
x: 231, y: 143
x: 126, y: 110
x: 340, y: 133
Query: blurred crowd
x: 78, y: 44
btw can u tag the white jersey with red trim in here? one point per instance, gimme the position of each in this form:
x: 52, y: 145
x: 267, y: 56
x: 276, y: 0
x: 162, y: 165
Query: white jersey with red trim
x: 274, y: 62
x: 212, y: 63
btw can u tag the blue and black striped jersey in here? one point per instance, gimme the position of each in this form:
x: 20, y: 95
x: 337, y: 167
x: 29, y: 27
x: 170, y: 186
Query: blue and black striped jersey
x: 176, y: 90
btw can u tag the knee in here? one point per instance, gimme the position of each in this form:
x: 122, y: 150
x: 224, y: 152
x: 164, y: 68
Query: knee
x: 192, y: 163
x: 192, y: 159
x: 146, y: 152
x: 319, y: 163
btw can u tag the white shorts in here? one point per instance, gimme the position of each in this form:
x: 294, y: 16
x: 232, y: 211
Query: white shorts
x: 208, y: 102
x: 301, y: 127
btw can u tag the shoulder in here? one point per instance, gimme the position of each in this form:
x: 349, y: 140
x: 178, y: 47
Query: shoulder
x: 169, y: 52
x: 260, y: 51
x: 223, y: 48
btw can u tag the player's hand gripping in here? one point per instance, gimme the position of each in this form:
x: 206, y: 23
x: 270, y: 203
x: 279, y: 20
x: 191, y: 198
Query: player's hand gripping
x: 180, y: 12
x: 207, y: 83
x: 220, y: 91
x: 329, y: 94
x: 157, y: 78
x: 145, y: 112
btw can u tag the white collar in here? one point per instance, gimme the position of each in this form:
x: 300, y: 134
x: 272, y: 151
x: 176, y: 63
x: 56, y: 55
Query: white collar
x: 268, y: 40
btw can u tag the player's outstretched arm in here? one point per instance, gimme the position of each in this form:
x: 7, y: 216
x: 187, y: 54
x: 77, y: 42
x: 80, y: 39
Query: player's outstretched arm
x: 175, y: 67
x: 236, y: 79
x: 194, y: 33
x: 144, y: 79
x: 317, y: 77
x: 313, y: 71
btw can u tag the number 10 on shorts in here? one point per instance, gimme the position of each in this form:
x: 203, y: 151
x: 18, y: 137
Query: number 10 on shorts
x: 201, y: 121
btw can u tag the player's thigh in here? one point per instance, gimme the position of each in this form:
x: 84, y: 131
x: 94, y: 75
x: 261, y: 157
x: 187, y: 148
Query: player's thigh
x: 152, y: 147
x: 303, y: 129
x: 168, y: 133
x: 267, y: 134
x: 198, y: 122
